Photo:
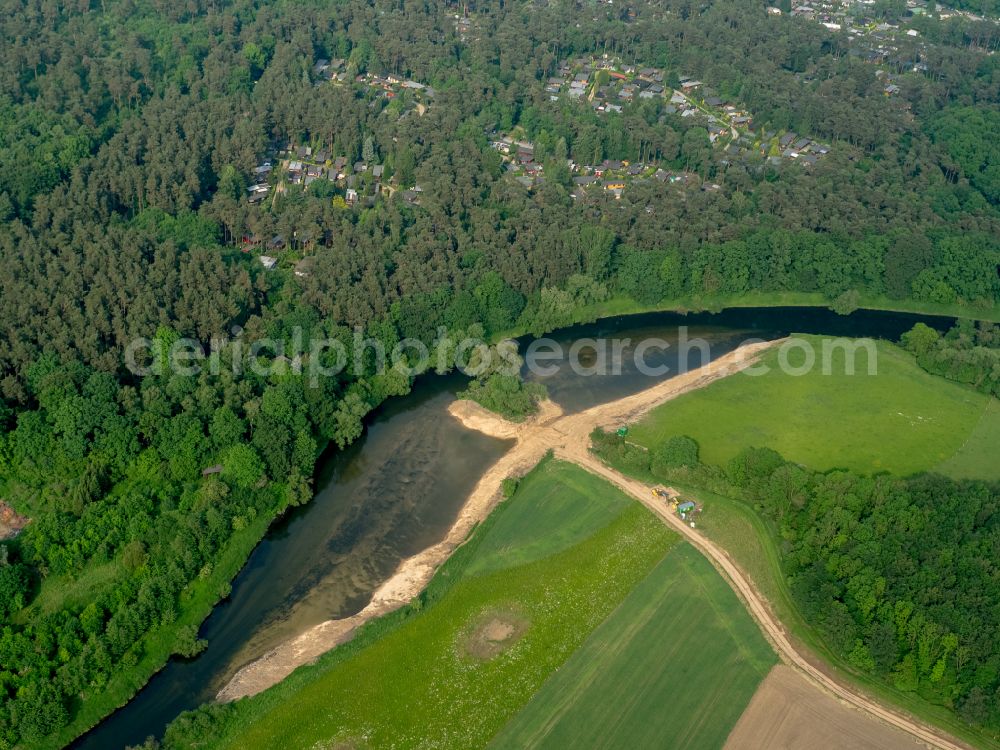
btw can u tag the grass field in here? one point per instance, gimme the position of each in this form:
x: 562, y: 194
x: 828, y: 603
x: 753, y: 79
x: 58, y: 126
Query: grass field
x: 444, y: 677
x: 977, y: 458
x: 566, y: 506
x: 902, y: 419
x: 674, y: 666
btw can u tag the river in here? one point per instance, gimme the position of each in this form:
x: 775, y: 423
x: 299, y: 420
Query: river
x: 398, y: 489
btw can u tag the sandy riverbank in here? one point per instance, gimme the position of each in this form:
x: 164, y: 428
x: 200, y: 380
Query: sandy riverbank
x: 413, y: 574
x: 548, y: 430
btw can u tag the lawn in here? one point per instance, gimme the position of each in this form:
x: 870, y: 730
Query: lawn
x: 502, y: 615
x: 674, y: 666
x: 901, y: 419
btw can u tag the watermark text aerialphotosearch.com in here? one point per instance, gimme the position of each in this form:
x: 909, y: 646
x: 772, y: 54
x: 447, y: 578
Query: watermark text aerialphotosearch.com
x: 543, y: 357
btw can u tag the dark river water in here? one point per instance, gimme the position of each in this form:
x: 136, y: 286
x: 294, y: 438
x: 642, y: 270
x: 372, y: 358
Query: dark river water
x: 398, y: 489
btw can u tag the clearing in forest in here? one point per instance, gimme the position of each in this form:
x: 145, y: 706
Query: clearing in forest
x: 902, y: 419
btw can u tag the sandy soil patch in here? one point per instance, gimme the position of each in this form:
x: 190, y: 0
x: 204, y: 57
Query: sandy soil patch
x: 491, y: 634
x: 11, y: 522
x: 475, y: 417
x: 790, y: 713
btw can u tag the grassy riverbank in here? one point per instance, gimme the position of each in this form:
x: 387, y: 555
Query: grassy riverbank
x: 196, y: 606
x: 621, y: 305
x: 504, y: 612
x: 197, y: 602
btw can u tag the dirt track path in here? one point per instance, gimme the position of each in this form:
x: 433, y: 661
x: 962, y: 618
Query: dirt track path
x: 755, y: 603
x: 569, y: 437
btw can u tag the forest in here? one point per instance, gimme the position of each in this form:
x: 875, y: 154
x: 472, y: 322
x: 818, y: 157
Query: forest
x: 130, y: 130
x: 898, y: 576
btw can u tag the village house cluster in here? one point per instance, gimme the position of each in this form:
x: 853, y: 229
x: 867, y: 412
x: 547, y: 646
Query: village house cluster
x: 608, y: 85
x: 416, y: 95
x: 610, y: 176
x: 873, y: 39
x: 605, y: 83
x: 465, y: 25
x: 330, y: 70
x: 304, y: 165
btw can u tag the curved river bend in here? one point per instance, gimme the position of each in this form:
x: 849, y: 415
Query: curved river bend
x: 399, y: 488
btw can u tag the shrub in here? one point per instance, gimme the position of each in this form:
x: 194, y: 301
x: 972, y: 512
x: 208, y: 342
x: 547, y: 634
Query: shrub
x: 752, y: 464
x: 509, y: 486
x: 677, y: 452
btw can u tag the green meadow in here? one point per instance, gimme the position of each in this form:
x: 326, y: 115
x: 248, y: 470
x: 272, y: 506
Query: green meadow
x: 901, y: 419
